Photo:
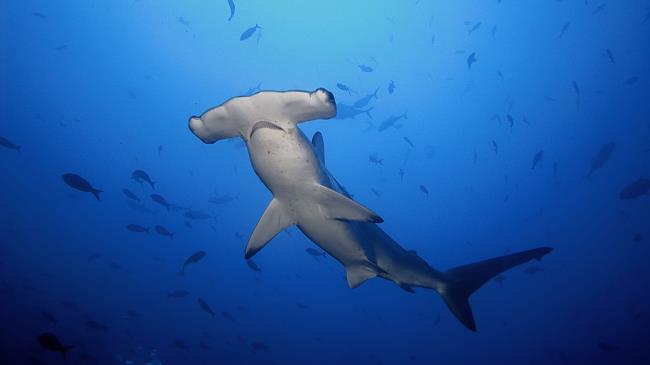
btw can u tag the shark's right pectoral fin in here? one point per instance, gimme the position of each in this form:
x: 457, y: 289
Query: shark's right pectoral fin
x: 274, y: 220
x: 338, y: 206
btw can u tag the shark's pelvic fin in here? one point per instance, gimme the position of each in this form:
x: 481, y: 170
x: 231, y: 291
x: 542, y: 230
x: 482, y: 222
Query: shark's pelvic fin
x: 338, y: 206
x: 462, y: 281
x: 274, y: 220
x: 319, y: 147
x: 358, y: 274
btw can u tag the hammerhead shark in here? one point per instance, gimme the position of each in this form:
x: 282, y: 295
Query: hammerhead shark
x: 307, y: 195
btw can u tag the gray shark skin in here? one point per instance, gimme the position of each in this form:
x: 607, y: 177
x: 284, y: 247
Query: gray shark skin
x: 306, y: 194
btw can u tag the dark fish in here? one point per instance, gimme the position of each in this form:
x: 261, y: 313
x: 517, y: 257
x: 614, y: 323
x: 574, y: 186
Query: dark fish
x: 137, y: 228
x: 204, y: 346
x: 610, y: 55
x: 344, y: 87
x: 599, y: 8
x: 494, y: 32
x: 511, y: 120
x: 365, y: 68
x: 79, y: 183
x: 636, y: 189
x: 248, y: 32
x: 197, y: 215
x: 180, y: 344
x: 4, y: 142
x: 314, y: 252
x: 391, y: 86
x: 603, y: 155
x: 495, y: 147
x: 537, y: 158
x: 638, y: 237
x: 390, y: 122
x: 253, y: 90
x: 424, y: 190
x: 407, y: 140
x: 61, y: 47
x: 259, y: 346
x: 163, y: 231
x: 253, y: 265
x: 605, y: 347
x: 178, y: 294
x: 160, y: 200
x: 565, y: 28
x: 228, y: 316
x: 193, y: 259
x: 184, y: 21
x: 39, y: 15
x: 365, y: 100
x: 231, y: 4
x: 205, y: 306
x: 471, y: 59
x: 160, y: 149
x: 632, y: 80
x: 129, y: 194
x: 576, y: 88
x: 374, y: 191
x: 401, y: 174
x: 47, y: 316
x: 141, y: 176
x: 474, y: 28
x: 375, y: 159
x: 50, y: 342
x: 221, y: 199
x: 302, y: 305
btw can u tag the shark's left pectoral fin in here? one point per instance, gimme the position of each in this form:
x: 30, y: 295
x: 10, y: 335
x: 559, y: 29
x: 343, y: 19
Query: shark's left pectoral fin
x: 338, y: 206
x: 274, y: 220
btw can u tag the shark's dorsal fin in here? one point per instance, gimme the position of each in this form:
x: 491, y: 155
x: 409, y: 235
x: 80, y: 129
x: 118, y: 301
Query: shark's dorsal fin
x: 338, y: 206
x: 274, y: 220
x: 319, y: 147
x: 358, y: 274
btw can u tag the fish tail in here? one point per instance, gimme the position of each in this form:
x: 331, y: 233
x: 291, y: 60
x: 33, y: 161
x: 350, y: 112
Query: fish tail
x: 368, y: 112
x: 375, y: 93
x: 459, y: 283
x: 64, y: 350
x: 96, y: 193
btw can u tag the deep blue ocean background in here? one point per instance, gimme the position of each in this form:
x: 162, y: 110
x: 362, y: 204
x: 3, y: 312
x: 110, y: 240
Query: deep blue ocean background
x: 103, y: 88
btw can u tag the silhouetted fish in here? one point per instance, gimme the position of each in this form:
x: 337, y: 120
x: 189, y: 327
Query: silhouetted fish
x: 205, y: 306
x: 424, y: 190
x: 390, y: 122
x: 160, y: 200
x: 344, y: 87
x: 253, y: 265
x: 193, y: 259
x: 407, y: 140
x: 77, y: 182
x: 391, y: 86
x: 365, y: 68
x: 221, y: 199
x: 4, y: 142
x: 365, y: 100
x: 636, y: 189
x: 347, y: 111
x: 163, y: 231
x: 599, y: 159
x: 49, y: 317
x: 471, y: 59
x: 178, y: 294
x: 96, y: 326
x: 231, y: 4
x: 129, y: 194
x: 141, y: 176
x: 605, y: 347
x: 50, y: 342
x: 248, y: 32
x: 474, y: 28
x: 197, y: 215
x: 537, y: 158
x: 565, y: 28
x: 610, y: 55
x: 259, y: 346
x: 137, y: 228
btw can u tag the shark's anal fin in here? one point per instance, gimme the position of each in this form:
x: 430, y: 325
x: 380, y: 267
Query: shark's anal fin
x: 338, y: 206
x: 274, y: 220
x: 358, y: 274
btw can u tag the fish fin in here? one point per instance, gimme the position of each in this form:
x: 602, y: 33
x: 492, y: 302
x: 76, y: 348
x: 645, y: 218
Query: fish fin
x: 64, y: 350
x: 319, y: 146
x: 96, y: 192
x: 358, y: 274
x: 338, y: 206
x: 273, y: 221
x: 462, y: 281
x: 368, y: 112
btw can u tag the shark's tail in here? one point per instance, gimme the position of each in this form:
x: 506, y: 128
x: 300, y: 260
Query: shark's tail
x: 462, y: 281
x: 96, y: 192
x: 64, y: 351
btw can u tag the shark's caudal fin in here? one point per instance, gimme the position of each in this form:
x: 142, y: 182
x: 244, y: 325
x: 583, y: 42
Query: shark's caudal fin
x: 462, y: 281
x: 274, y: 220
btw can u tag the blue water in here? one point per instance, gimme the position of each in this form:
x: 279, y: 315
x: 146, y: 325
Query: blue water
x: 103, y: 88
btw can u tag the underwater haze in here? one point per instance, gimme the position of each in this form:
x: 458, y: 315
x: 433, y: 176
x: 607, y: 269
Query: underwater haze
x: 474, y: 128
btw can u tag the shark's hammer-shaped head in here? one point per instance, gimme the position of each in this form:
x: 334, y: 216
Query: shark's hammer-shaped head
x: 237, y: 116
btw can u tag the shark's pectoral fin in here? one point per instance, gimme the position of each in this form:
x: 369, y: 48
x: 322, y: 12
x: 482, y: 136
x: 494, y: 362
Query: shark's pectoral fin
x: 358, y: 274
x: 338, y: 206
x: 319, y: 147
x: 274, y: 220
